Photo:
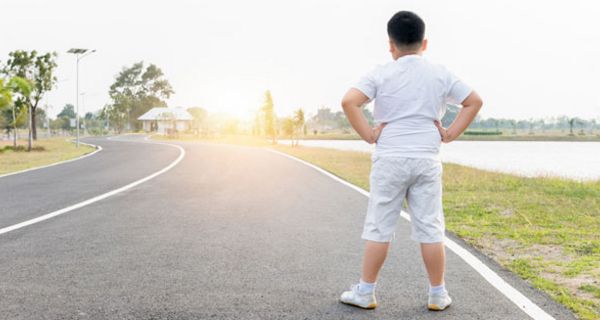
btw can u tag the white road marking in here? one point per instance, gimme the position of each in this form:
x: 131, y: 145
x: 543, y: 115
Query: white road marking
x: 100, y: 197
x: 514, y: 295
x: 98, y: 149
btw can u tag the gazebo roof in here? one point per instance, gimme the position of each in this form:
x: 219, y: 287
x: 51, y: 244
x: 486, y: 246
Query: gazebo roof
x: 161, y: 113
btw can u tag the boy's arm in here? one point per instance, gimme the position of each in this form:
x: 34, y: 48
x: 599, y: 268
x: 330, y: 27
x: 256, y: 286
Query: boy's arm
x: 471, y: 106
x: 352, y: 104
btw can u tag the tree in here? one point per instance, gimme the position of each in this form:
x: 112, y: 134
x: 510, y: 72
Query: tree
x: 269, y: 117
x: 39, y: 70
x: 572, y: 123
x: 68, y: 111
x: 15, y: 85
x: 59, y: 123
x: 342, y: 121
x: 66, y: 114
x: 513, y: 124
x: 298, y: 124
x: 41, y: 117
x: 288, y: 127
x: 135, y: 91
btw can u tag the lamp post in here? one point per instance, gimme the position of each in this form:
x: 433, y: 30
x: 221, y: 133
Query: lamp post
x: 85, y: 130
x: 80, y: 54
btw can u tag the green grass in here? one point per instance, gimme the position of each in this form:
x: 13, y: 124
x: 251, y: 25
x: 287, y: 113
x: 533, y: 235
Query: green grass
x: 546, y: 230
x: 595, y: 290
x: 45, y: 151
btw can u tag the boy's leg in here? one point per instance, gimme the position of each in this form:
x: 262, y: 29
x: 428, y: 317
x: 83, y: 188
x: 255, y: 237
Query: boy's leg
x: 375, y: 253
x: 389, y: 178
x: 434, y: 257
x: 388, y: 189
x: 424, y: 199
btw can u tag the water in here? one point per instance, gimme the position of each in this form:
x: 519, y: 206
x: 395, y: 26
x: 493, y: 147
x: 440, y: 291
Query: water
x: 574, y: 160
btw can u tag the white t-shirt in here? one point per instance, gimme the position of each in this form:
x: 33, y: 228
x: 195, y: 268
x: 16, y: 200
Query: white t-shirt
x: 410, y: 93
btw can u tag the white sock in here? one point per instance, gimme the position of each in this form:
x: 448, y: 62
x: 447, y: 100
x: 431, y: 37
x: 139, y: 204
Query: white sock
x: 365, y: 287
x: 437, y: 290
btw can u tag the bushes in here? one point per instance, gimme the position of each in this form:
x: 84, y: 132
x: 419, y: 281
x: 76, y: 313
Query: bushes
x: 21, y: 148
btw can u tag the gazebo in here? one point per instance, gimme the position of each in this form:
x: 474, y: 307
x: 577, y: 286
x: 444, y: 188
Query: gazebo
x: 166, y: 120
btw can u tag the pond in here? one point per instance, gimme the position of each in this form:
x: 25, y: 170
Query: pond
x: 574, y: 160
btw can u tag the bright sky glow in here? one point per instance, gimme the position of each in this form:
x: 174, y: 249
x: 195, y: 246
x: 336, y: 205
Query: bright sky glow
x: 526, y: 58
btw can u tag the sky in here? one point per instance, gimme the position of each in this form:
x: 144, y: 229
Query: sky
x: 527, y: 59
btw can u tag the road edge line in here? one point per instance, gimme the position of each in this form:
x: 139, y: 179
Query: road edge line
x: 99, y: 197
x: 510, y: 292
x: 98, y: 149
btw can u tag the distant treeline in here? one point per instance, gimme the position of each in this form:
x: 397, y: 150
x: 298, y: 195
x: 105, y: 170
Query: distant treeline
x: 326, y: 120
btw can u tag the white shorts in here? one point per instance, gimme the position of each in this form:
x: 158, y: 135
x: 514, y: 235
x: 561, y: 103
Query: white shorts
x: 419, y: 181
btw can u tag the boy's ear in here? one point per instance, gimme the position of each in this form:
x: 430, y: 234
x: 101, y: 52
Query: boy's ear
x: 424, y: 45
x: 392, y: 46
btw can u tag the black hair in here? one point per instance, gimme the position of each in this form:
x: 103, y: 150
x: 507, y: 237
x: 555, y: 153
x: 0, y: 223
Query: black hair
x: 406, y: 29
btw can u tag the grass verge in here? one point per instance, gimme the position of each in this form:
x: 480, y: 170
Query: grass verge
x: 44, y: 152
x: 546, y: 230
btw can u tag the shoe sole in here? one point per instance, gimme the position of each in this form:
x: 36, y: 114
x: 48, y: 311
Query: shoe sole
x: 369, y: 307
x: 435, y: 307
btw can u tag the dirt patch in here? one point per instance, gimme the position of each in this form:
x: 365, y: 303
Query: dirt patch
x: 575, y: 283
x: 498, y: 249
x: 550, y: 258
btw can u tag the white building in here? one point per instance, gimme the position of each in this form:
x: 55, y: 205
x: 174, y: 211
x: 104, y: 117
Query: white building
x: 165, y: 120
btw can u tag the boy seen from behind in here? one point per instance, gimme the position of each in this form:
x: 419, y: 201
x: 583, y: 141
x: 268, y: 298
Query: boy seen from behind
x: 410, y: 96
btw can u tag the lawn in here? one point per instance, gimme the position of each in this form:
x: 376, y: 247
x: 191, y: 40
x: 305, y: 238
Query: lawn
x: 546, y: 230
x: 46, y: 151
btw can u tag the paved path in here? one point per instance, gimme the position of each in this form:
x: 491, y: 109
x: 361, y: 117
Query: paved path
x: 229, y: 233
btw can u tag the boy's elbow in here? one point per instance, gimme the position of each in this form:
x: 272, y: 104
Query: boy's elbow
x: 346, y: 104
x: 474, y: 101
x: 479, y: 103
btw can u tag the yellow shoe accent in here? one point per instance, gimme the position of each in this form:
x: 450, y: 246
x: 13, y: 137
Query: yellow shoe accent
x: 435, y: 307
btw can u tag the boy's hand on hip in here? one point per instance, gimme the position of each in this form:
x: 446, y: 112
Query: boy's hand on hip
x: 377, y: 131
x: 443, y: 132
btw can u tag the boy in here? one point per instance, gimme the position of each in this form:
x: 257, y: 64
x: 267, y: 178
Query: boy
x: 410, y: 96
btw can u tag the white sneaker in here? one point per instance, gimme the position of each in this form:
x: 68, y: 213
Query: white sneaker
x: 354, y: 298
x: 439, y: 302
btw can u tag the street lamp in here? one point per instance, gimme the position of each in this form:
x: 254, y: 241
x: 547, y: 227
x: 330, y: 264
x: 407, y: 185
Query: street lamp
x: 83, y: 110
x: 80, y: 54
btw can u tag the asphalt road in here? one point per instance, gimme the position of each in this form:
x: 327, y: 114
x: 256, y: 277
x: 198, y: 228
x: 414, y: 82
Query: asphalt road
x: 229, y: 233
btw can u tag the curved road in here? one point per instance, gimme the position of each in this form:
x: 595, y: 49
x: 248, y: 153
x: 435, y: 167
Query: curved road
x: 229, y: 233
